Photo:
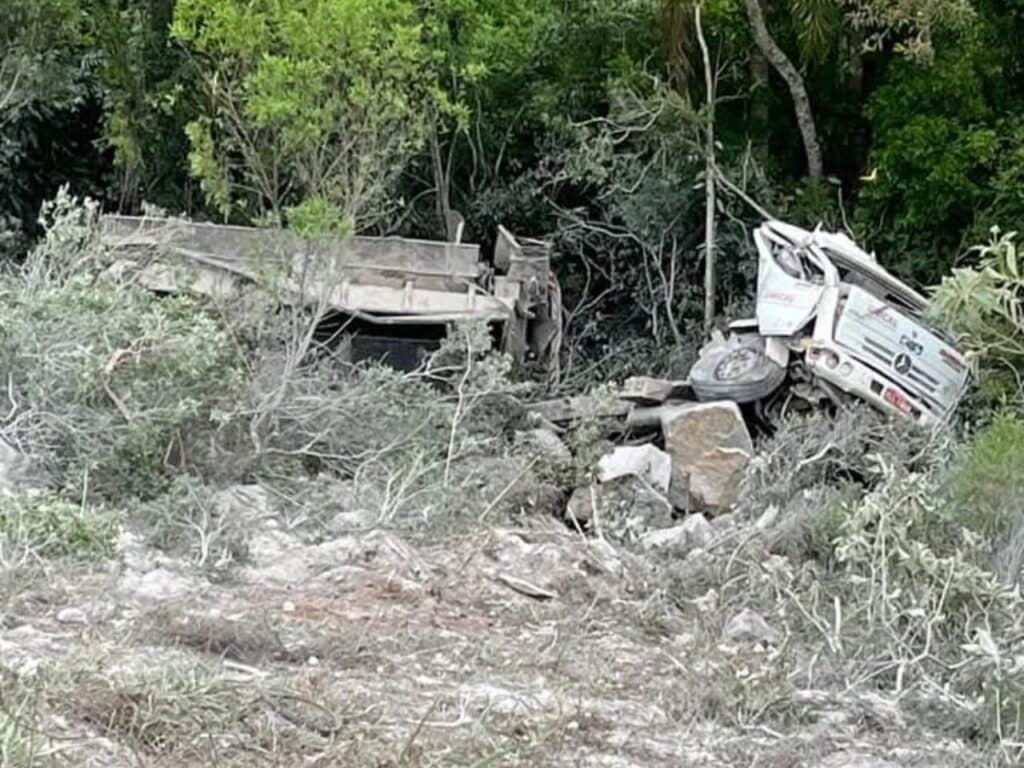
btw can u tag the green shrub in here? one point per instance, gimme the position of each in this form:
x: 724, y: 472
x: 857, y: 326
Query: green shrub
x: 988, y: 486
x: 982, y: 304
x: 22, y: 735
x: 50, y: 526
x: 190, y: 521
x: 813, y: 522
x: 811, y: 451
x: 108, y: 380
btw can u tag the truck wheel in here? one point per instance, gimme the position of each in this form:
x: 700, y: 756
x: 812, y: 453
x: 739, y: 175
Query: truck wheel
x: 735, y: 368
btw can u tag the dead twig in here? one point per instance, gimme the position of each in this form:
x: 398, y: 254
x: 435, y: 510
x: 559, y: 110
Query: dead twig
x: 525, y: 588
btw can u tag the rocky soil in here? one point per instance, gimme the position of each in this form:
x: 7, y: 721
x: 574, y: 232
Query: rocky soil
x: 508, y: 644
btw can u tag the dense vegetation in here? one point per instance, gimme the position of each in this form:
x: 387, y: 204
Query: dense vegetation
x: 891, y: 560
x: 581, y: 120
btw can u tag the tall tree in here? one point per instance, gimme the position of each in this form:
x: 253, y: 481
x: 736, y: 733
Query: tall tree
x: 677, y: 31
x: 313, y: 106
x: 794, y: 82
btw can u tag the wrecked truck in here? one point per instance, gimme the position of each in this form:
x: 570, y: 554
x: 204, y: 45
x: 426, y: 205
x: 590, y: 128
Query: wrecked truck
x: 388, y: 299
x: 831, y: 324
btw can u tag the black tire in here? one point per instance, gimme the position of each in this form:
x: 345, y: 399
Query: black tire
x: 735, y: 369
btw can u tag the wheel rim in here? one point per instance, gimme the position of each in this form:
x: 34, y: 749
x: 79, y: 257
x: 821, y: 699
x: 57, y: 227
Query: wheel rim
x: 737, y: 364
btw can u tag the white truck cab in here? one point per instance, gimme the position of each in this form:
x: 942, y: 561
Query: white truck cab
x: 833, y: 323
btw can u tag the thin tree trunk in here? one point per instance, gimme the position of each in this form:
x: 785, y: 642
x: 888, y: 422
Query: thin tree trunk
x: 797, y: 89
x: 442, y: 181
x: 857, y: 62
x: 709, y: 179
x: 678, y: 36
x: 759, y: 113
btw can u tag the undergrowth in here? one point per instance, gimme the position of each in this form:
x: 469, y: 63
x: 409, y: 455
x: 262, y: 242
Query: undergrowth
x: 46, y: 525
x: 906, y: 569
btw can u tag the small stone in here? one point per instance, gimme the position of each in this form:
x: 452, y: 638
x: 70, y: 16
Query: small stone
x: 695, y: 533
x: 628, y: 496
x: 546, y: 445
x: 159, y: 584
x: 699, y: 531
x: 313, y: 661
x: 648, y: 391
x: 768, y: 518
x: 288, y: 607
x: 854, y: 760
x: 750, y: 627
x: 647, y: 462
x: 72, y: 616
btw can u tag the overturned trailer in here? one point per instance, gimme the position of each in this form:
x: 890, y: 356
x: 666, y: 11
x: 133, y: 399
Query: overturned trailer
x: 389, y: 298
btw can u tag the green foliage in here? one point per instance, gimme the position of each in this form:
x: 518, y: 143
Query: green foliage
x: 141, y: 76
x: 935, y: 148
x: 912, y: 28
x: 989, y: 486
x: 317, y: 216
x: 816, y: 23
x: 92, y: 366
x: 36, y: 38
x: 982, y: 304
x: 21, y: 733
x: 190, y: 520
x: 934, y: 566
x: 48, y: 525
x: 310, y: 100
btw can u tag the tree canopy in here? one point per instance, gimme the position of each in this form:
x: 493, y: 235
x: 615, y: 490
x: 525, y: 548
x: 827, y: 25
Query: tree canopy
x: 581, y: 121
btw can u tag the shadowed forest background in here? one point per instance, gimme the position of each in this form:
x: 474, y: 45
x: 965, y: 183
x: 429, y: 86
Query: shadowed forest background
x: 583, y: 121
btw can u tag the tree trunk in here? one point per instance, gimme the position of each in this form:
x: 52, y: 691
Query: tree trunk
x: 759, y: 106
x: 709, y: 179
x: 442, y: 182
x: 797, y: 90
x: 677, y: 35
x: 857, y: 62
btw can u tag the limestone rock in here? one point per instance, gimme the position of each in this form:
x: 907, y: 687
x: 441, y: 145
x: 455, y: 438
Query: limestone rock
x: 854, y: 760
x: 18, y: 473
x: 647, y: 462
x: 750, y: 627
x: 648, y: 391
x: 768, y: 518
x: 694, y: 533
x: 709, y: 443
x: 158, y: 585
x: 546, y: 445
x: 626, y: 498
x: 72, y: 615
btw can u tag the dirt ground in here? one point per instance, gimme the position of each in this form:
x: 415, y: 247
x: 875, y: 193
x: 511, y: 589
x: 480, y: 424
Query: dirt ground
x: 525, y: 645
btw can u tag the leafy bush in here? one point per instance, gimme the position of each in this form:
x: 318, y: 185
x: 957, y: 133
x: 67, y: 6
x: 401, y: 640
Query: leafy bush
x: 333, y: 96
x: 988, y: 488
x: 190, y: 521
x: 49, y: 526
x: 106, y: 379
x: 982, y: 304
x: 921, y: 563
x: 107, y: 383
x: 812, y: 451
x: 813, y: 522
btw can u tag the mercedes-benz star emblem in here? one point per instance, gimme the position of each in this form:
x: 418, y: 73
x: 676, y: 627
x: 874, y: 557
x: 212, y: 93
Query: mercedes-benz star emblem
x: 903, y: 363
